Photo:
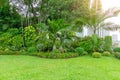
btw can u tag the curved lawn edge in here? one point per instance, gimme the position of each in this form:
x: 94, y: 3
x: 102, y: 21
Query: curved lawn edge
x: 22, y: 67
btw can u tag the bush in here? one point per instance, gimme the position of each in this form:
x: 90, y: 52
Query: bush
x: 117, y: 49
x: 56, y: 55
x: 1, y: 52
x: 108, y: 43
x: 85, y: 53
x: 86, y: 43
x: 79, y: 50
x: 12, y: 39
x: 30, y: 36
x: 16, y: 42
x: 43, y: 42
x: 31, y: 50
x: 106, y: 53
x: 117, y: 55
x: 96, y: 55
x: 8, y: 52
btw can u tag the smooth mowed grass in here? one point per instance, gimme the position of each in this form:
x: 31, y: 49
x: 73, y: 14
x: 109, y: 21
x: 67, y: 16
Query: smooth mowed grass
x: 81, y: 68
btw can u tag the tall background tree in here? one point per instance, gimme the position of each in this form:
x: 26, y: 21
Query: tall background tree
x: 9, y: 18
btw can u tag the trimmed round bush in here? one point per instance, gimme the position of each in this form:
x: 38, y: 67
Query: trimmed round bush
x: 117, y: 55
x: 32, y: 49
x: 106, y: 53
x: 79, y: 50
x: 85, y: 53
x: 96, y: 55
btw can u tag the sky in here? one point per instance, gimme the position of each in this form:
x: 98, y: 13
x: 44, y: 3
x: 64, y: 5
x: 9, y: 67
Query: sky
x: 106, y: 4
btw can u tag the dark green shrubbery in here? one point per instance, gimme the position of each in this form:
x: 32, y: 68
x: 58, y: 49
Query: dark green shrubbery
x: 8, y: 17
x: 86, y: 44
x: 79, y: 50
x: 96, y: 55
x: 108, y: 43
x: 56, y: 55
x: 91, y: 44
x: 31, y: 49
x: 117, y: 49
x: 11, y: 39
x: 8, y: 52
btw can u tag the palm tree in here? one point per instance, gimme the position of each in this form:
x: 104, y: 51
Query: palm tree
x: 96, y: 19
x: 55, y: 29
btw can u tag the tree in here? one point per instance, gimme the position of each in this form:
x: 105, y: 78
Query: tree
x: 3, y: 2
x: 9, y: 18
x: 55, y: 28
x: 96, y: 17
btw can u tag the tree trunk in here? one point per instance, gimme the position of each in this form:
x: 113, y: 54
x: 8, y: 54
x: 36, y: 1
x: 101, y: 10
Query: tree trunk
x: 23, y: 37
x: 54, y: 45
x: 94, y: 31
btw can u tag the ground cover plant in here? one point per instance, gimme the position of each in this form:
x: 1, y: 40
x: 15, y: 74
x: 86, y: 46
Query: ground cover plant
x: 34, y: 68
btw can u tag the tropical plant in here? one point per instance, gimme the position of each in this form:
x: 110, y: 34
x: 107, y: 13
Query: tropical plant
x: 55, y: 28
x: 96, y: 17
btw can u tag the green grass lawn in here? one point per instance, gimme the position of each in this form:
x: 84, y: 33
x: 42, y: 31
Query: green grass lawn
x: 81, y: 68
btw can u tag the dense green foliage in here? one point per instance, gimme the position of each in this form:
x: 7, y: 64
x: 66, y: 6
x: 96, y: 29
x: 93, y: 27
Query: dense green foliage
x: 8, y: 18
x: 53, y: 27
x: 117, y: 49
x: 108, y: 43
x: 79, y: 50
x: 3, y: 2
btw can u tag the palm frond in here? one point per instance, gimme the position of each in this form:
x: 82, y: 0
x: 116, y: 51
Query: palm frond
x: 110, y: 26
x: 111, y: 13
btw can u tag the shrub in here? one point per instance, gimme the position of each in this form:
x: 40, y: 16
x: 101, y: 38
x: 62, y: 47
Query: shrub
x: 86, y: 43
x: 85, y: 53
x: 31, y: 49
x: 96, y: 55
x: 117, y: 55
x: 16, y: 42
x: 117, y: 49
x: 79, y: 50
x: 8, y: 52
x: 108, y: 43
x: 11, y: 38
x: 1, y: 52
x: 54, y: 55
x: 106, y: 53
x: 30, y: 36
x: 44, y: 42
